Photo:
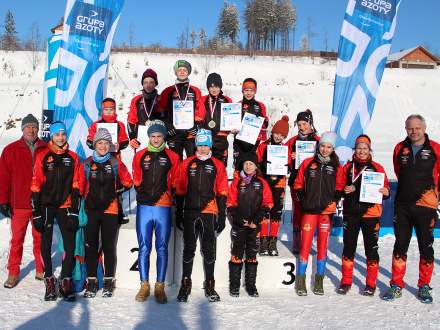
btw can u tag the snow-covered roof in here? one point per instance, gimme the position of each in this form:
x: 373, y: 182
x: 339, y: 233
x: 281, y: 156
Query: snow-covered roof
x: 397, y: 56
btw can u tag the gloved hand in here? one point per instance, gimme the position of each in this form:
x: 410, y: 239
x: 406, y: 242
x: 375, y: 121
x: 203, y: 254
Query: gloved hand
x: 179, y: 218
x: 38, y: 221
x: 134, y: 144
x: 238, y: 221
x: 193, y: 131
x: 171, y: 132
x: 72, y: 221
x: 220, y: 222
x: 5, y: 209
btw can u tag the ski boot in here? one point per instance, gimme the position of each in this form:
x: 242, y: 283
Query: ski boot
x: 185, y: 290
x: 210, y: 292
x: 250, y: 277
x: 144, y: 292
x: 393, y: 292
x: 51, y: 294
x: 108, y: 287
x: 234, y: 278
x: 318, y: 288
x: 159, y: 293
x: 272, y: 250
x: 424, y: 294
x: 343, y: 289
x: 91, y: 287
x: 66, y: 289
x: 264, y: 246
x: 368, y: 291
x: 300, y: 285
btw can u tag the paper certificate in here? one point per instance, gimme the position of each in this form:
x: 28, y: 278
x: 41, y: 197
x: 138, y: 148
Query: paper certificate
x: 304, y: 150
x: 142, y: 136
x: 183, y: 114
x: 370, y: 185
x: 277, y: 160
x: 230, y: 116
x: 112, y: 128
x: 250, y: 128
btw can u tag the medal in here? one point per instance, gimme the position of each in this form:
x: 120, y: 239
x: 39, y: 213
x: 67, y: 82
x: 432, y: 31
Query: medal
x: 148, y: 123
x: 148, y: 112
x: 211, y: 124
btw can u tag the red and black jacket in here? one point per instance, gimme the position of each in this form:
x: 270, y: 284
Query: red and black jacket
x: 351, y: 204
x: 122, y: 134
x: 55, y: 183
x: 100, y: 186
x: 319, y: 186
x: 277, y: 181
x: 292, y: 149
x: 418, y: 174
x: 209, y: 101
x: 186, y: 92
x: 204, y: 185
x: 249, y: 200
x: 154, y: 175
x: 258, y: 109
x: 138, y: 115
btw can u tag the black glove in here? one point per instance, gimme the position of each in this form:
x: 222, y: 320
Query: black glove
x: 257, y: 218
x: 238, y: 221
x: 220, y: 222
x: 193, y: 130
x: 5, y: 209
x: 72, y: 221
x: 38, y: 222
x: 171, y: 132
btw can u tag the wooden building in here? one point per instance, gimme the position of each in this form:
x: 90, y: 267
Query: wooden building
x: 414, y: 58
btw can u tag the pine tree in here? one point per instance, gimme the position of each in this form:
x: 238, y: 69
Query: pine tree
x: 9, y: 39
x: 202, y: 38
x: 228, y: 25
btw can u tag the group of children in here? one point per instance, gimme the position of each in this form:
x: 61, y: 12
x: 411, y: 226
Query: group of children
x: 198, y: 186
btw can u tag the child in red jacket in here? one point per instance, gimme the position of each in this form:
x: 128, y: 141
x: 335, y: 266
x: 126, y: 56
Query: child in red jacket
x: 318, y: 186
x: 109, y: 116
x: 270, y: 226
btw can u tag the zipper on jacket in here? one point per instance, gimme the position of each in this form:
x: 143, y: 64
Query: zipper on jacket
x: 320, y: 186
x: 101, y: 177
x: 154, y: 170
x: 200, y: 186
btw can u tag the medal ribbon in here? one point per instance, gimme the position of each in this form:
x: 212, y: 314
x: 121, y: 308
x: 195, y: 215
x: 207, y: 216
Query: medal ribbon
x: 178, y: 94
x: 148, y: 113
x: 356, y: 177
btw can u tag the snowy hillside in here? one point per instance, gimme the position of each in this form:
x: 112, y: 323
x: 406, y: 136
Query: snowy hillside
x: 285, y: 85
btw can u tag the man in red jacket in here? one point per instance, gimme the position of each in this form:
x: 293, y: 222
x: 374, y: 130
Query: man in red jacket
x: 15, y: 196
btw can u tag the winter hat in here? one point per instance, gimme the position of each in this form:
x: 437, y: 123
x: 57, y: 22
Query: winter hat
x: 282, y: 126
x: 149, y: 73
x: 29, y: 120
x: 157, y: 126
x: 184, y: 63
x: 248, y: 157
x: 363, y: 139
x: 249, y: 83
x: 204, y: 138
x: 108, y: 102
x: 57, y: 127
x: 305, y: 116
x: 328, y: 137
x: 214, y: 79
x: 102, y: 134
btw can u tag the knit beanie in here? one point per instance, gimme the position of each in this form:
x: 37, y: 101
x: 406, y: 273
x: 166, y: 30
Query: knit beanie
x: 57, y: 127
x: 102, y: 134
x: 29, y: 120
x: 184, y: 63
x: 157, y: 126
x: 305, y: 116
x: 204, y: 138
x: 151, y: 74
x: 214, y: 79
x: 248, y: 157
x: 281, y: 126
x: 328, y: 137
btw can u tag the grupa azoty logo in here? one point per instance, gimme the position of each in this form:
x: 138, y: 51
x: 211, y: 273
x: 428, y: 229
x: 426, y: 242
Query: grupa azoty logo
x: 90, y: 23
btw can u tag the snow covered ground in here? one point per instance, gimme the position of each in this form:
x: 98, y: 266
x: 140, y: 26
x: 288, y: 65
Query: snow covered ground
x: 287, y: 86
x: 24, y: 308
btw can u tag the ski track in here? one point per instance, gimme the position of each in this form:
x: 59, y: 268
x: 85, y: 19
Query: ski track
x: 24, y: 308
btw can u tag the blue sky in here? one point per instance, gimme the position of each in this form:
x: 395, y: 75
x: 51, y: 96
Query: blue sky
x: 162, y: 21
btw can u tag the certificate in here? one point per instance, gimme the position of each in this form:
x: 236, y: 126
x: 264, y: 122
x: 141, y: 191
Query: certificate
x: 142, y: 135
x: 370, y: 185
x: 230, y: 117
x: 250, y: 128
x: 183, y: 114
x: 304, y: 150
x: 112, y: 128
x: 277, y: 160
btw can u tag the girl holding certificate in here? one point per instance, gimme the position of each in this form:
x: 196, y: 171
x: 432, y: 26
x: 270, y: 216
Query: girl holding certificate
x: 361, y: 216
x: 270, y: 226
x: 318, y: 187
x: 213, y: 107
x: 306, y: 132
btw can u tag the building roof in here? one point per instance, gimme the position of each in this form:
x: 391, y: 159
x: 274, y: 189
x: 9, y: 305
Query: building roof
x: 400, y: 55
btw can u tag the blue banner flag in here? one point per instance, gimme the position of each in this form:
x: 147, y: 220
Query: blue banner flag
x: 367, y: 33
x: 89, y: 26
